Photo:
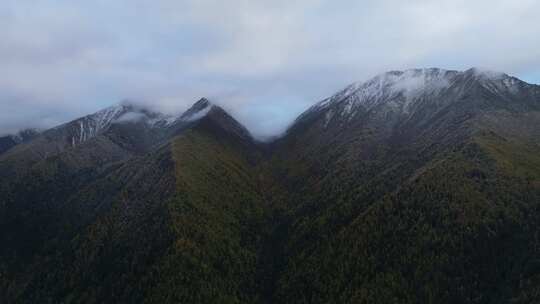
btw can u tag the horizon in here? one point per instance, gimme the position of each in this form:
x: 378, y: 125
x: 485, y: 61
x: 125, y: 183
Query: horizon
x: 263, y: 62
x: 259, y: 137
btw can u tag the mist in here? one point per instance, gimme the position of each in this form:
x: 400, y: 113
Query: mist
x: 265, y: 62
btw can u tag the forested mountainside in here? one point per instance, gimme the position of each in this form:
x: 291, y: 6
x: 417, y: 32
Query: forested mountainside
x: 417, y: 186
x: 11, y: 140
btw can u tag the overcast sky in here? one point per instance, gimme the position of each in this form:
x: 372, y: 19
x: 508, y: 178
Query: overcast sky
x: 265, y: 61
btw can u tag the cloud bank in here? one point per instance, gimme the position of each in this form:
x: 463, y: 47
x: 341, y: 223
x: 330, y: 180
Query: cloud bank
x: 265, y: 61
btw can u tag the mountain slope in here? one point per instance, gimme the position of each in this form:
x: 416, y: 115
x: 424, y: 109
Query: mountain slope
x: 9, y: 141
x: 123, y: 127
x: 413, y: 193
x: 102, y: 225
x: 417, y: 186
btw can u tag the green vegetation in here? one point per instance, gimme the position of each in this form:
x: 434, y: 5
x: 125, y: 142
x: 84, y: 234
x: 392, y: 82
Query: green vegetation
x: 215, y: 218
x: 462, y: 231
x: 208, y: 217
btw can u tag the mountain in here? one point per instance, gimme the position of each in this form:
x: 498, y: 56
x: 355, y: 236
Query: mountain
x: 115, y: 224
x: 416, y: 186
x: 9, y: 141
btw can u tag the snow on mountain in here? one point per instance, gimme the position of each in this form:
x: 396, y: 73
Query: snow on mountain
x: 408, y: 84
x: 496, y: 82
x: 92, y: 125
x: 84, y: 128
x: 105, y: 117
x: 196, y: 115
x: 401, y: 89
x: 197, y: 111
x: 24, y: 135
x: 11, y: 140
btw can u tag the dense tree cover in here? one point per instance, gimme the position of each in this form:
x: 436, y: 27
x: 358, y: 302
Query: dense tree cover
x: 465, y: 230
x: 177, y: 225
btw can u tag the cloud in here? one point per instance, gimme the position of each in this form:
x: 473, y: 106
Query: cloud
x: 130, y: 117
x: 263, y: 61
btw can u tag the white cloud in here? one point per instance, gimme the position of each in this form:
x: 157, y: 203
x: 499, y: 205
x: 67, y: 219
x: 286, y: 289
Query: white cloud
x: 130, y: 117
x: 263, y: 60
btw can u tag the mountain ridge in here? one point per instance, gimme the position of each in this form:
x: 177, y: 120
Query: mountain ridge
x: 154, y: 117
x: 436, y: 201
x: 413, y: 83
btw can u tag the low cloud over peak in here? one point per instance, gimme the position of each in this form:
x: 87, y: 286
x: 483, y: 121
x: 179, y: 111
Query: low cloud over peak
x: 263, y: 61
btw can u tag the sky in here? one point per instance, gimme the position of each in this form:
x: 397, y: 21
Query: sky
x: 264, y: 61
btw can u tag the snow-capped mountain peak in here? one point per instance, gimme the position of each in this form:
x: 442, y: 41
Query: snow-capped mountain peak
x: 401, y: 90
x: 197, y: 111
x: 84, y: 128
x: 496, y: 82
x: 408, y: 83
x: 24, y: 135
